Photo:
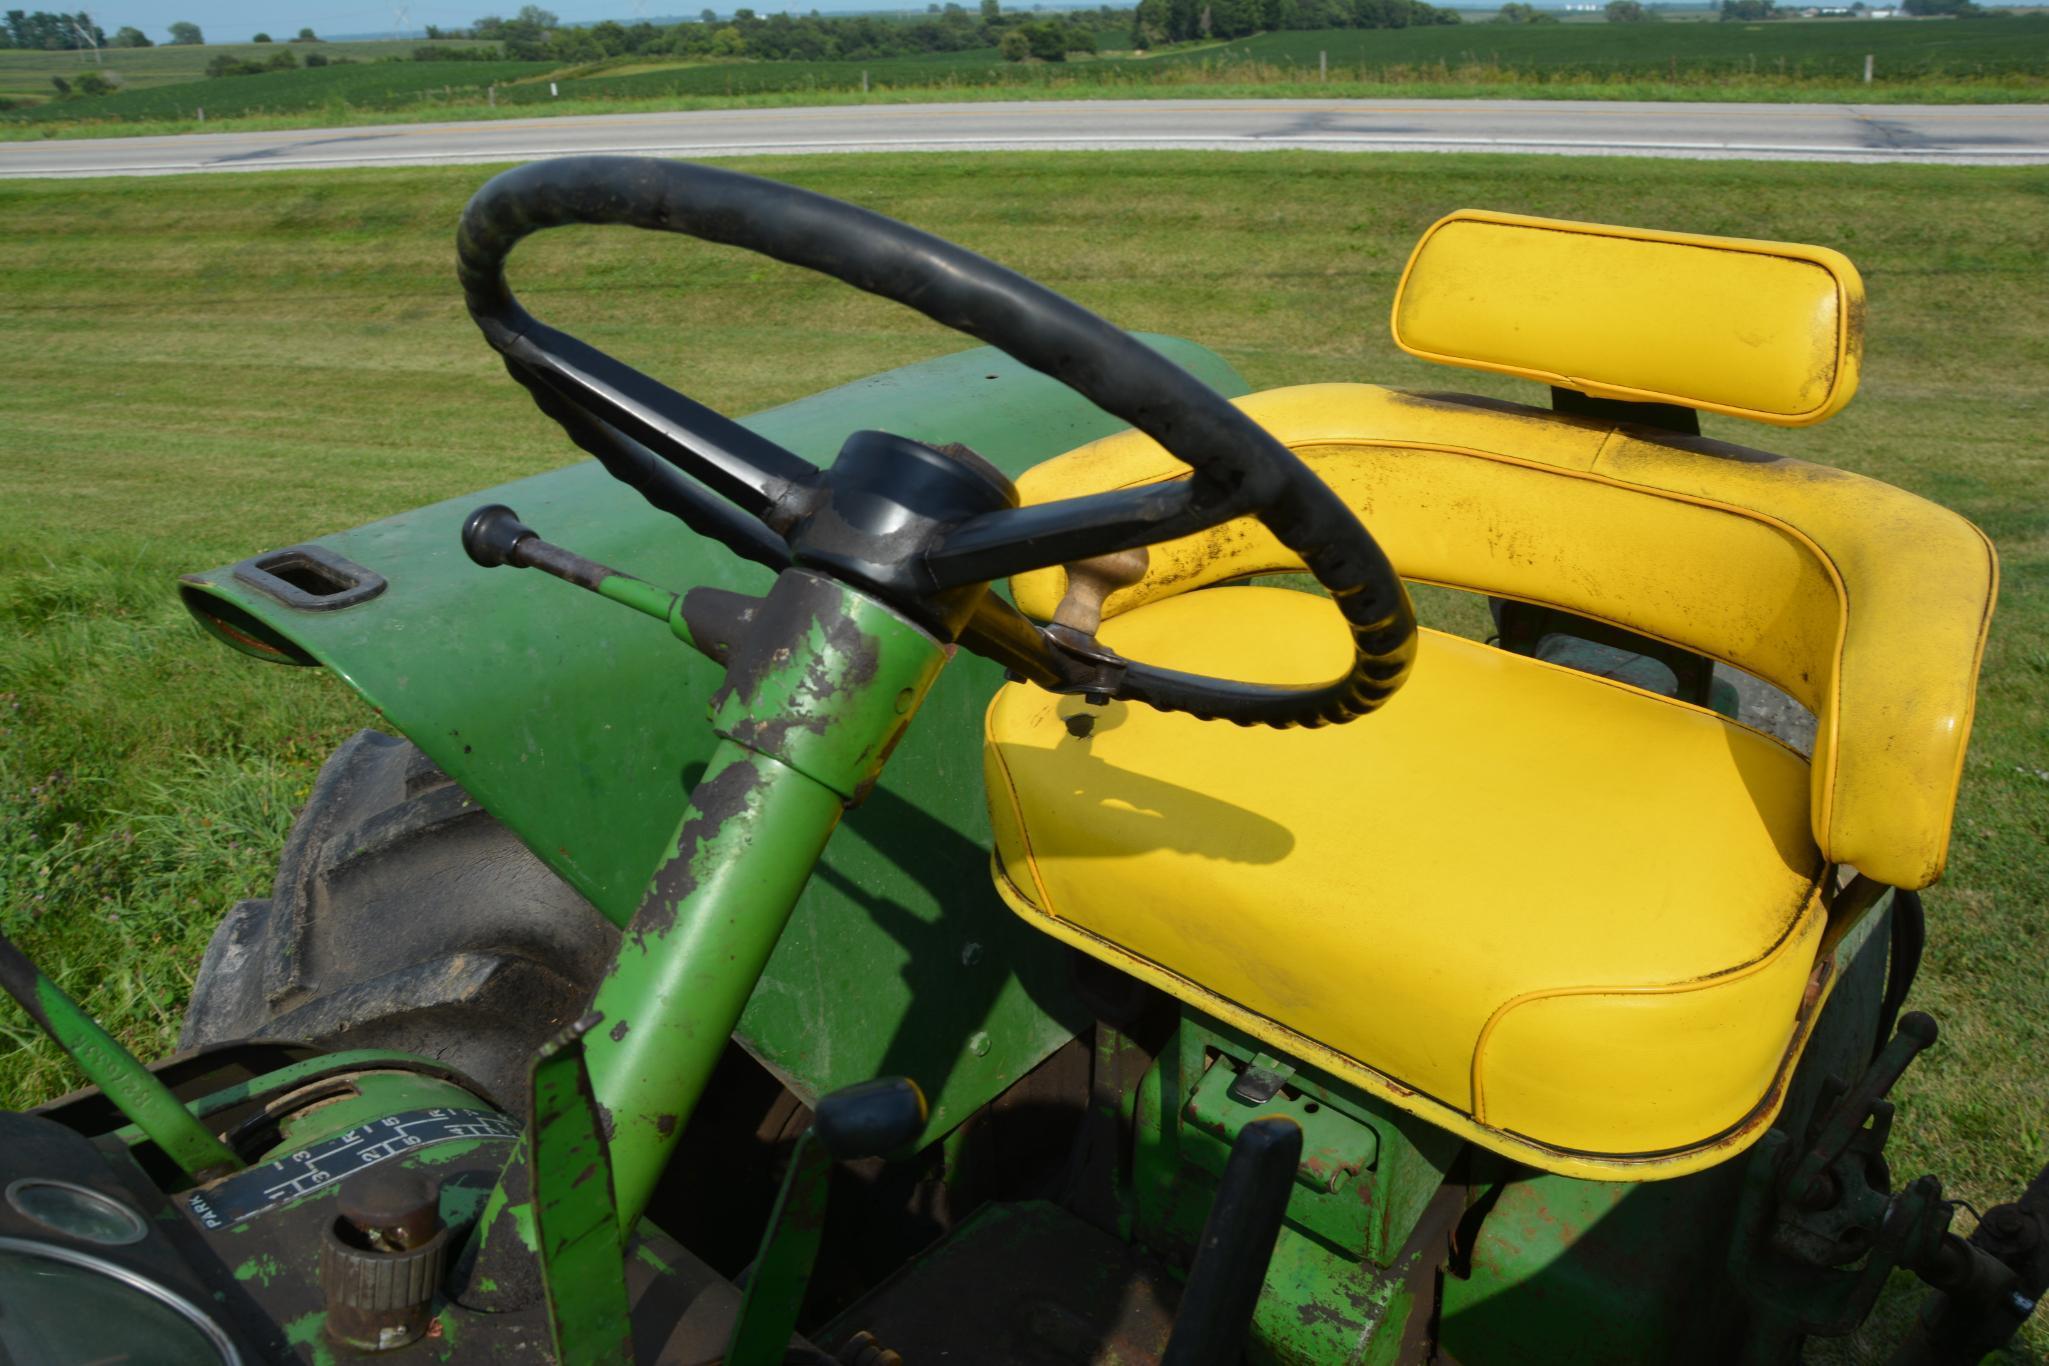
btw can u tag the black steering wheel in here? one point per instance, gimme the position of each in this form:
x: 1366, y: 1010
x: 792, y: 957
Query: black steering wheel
x: 767, y: 504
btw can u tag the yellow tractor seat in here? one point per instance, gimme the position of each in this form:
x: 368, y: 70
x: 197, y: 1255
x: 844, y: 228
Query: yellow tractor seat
x: 1579, y: 923
x: 1571, y: 910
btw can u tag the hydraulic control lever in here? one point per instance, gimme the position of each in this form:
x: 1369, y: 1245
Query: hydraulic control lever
x: 869, y: 1119
x: 708, y: 620
x: 1237, y: 1244
x: 1809, y: 1183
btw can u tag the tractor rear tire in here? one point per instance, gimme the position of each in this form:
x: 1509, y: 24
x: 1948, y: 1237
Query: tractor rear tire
x: 404, y: 917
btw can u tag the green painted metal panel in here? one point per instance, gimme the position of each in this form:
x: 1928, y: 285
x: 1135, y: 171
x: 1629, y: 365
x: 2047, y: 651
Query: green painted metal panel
x: 1320, y: 1309
x: 1368, y: 1170
x: 1597, y: 1272
x: 583, y: 727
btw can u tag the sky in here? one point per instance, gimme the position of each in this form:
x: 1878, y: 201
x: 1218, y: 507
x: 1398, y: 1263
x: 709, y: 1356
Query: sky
x: 236, y: 21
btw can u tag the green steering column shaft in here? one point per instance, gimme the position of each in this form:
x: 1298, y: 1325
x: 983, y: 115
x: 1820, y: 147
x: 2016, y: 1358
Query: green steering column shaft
x: 817, y: 693
x: 692, y: 955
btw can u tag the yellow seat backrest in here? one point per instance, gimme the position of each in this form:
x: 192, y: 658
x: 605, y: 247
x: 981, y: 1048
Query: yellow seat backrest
x: 1764, y: 330
x: 1865, y: 603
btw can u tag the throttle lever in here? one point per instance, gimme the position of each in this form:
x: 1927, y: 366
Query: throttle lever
x: 709, y: 620
x: 1809, y: 1183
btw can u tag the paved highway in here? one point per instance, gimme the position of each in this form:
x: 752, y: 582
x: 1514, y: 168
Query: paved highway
x: 1956, y: 134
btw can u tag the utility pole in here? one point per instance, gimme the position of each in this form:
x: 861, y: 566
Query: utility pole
x: 85, y: 35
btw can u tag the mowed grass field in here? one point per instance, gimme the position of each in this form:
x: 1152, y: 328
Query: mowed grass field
x: 201, y: 368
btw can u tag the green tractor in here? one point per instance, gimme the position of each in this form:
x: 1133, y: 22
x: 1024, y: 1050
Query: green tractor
x: 1008, y: 880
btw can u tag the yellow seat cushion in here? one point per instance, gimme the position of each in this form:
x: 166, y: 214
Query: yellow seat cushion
x: 1570, y: 919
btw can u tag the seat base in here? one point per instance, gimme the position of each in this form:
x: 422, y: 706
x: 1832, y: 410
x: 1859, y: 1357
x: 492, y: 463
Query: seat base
x: 1572, y: 920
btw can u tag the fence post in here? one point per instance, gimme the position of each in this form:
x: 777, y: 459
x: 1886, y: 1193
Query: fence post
x: 864, y: 80
x: 1867, y: 67
x: 202, y: 113
x: 491, y: 97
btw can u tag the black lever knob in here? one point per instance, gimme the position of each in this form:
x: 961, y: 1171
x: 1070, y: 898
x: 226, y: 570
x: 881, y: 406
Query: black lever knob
x: 492, y: 533
x: 870, y: 1118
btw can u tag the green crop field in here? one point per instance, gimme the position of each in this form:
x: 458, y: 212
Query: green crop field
x: 1933, y: 61
x: 1992, y: 49
x: 1690, y: 55
x: 200, y: 368
x: 27, y: 74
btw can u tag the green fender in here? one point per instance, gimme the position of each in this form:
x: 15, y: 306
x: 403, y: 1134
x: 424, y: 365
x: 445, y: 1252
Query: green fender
x: 582, y: 726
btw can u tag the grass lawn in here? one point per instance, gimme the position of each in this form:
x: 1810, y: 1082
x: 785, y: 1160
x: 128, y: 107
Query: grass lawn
x: 203, y: 367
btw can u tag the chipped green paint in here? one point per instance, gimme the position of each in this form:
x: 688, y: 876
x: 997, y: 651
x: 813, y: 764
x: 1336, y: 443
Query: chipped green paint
x: 310, y: 1332
x: 582, y: 1258
x: 440, y: 1154
x: 647, y: 1256
x: 259, y: 1268
x: 442, y: 1334
x: 814, y: 700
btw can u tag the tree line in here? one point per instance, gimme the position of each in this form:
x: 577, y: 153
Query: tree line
x: 41, y: 32
x: 535, y: 34
x: 1181, y: 21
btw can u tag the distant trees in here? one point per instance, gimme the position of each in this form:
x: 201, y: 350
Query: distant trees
x: 1175, y: 21
x: 525, y: 36
x: 1046, y: 40
x: 1747, y: 11
x: 185, y: 34
x: 307, y: 35
x: 50, y: 32
x: 86, y: 83
x: 261, y: 38
x: 130, y: 36
x: 1629, y: 12
x: 227, y: 65
x: 1518, y: 13
x: 535, y: 34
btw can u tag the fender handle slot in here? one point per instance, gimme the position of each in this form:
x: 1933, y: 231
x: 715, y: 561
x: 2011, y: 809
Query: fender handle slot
x: 309, y: 579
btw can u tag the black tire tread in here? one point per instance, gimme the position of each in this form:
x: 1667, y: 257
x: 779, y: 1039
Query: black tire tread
x: 404, y: 916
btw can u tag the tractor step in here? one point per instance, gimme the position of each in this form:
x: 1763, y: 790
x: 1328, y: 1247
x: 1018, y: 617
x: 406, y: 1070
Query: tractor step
x: 1027, y: 1283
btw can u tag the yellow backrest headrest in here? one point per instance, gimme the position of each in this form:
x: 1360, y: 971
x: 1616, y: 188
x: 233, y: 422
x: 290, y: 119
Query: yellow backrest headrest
x: 1765, y: 330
